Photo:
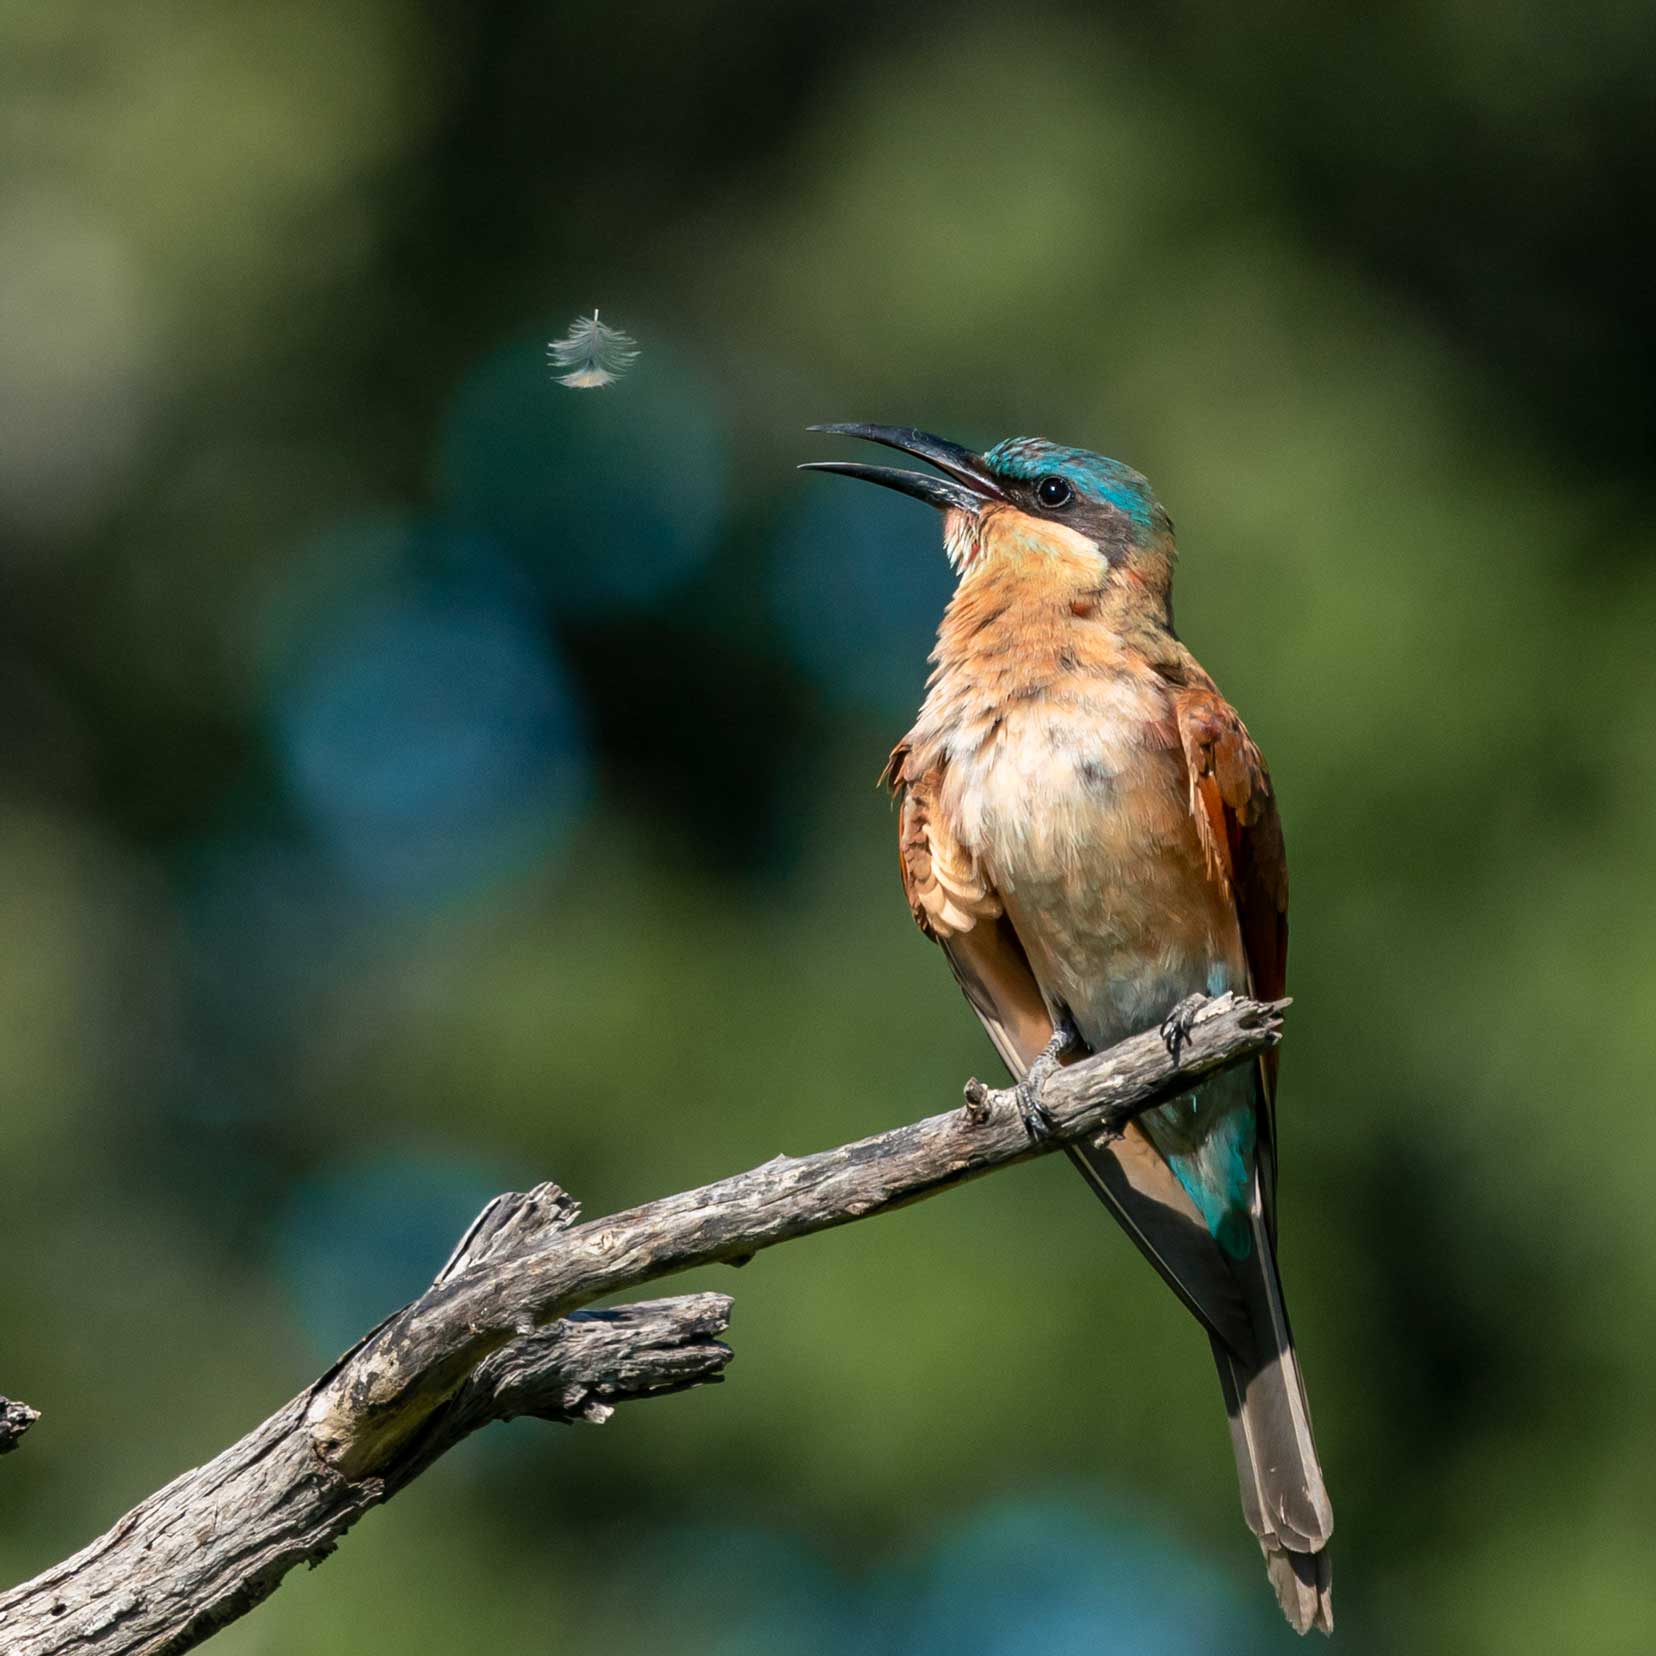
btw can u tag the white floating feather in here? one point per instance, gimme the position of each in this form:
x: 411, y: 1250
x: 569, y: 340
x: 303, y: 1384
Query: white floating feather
x: 594, y: 353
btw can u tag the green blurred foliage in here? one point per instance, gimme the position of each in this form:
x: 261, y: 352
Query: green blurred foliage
x: 320, y: 922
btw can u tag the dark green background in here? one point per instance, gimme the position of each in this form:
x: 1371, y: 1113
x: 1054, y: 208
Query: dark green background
x: 417, y: 779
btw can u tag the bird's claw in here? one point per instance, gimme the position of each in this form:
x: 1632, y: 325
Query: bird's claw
x: 1037, y: 1118
x: 1177, y: 1025
x: 1039, y: 1122
x: 1025, y: 1098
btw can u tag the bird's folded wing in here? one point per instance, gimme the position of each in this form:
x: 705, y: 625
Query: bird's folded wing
x: 954, y: 904
x: 1241, y: 832
x: 1236, y: 816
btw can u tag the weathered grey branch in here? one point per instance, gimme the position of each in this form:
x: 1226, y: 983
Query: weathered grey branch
x: 500, y: 1334
x: 219, y: 1539
x: 15, y: 1419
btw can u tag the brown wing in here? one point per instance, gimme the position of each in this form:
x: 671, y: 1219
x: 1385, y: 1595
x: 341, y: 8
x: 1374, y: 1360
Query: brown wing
x: 955, y: 905
x: 1236, y: 816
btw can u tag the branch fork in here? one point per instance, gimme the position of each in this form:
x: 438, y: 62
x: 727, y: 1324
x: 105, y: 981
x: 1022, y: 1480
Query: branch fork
x: 503, y: 1331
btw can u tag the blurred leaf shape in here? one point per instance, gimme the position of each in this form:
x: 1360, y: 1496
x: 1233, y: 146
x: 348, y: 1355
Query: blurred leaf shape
x: 1047, y: 1573
x: 432, y: 736
x: 1051, y: 1575
x: 80, y: 353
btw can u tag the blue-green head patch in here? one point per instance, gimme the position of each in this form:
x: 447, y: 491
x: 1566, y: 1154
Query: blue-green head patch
x: 1059, y: 481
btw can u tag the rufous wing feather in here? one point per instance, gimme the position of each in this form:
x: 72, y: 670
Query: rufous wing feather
x: 1236, y: 818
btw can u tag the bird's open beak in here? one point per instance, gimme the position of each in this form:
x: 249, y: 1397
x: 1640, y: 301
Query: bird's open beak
x: 967, y: 485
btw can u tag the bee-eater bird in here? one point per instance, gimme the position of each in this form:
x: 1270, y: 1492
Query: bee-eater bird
x: 1089, y: 832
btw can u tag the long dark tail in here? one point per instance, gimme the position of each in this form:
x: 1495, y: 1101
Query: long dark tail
x: 1239, y: 1302
x: 1283, y: 1495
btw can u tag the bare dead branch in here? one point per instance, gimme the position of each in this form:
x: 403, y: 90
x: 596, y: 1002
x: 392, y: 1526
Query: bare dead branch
x: 500, y: 1333
x: 15, y: 1419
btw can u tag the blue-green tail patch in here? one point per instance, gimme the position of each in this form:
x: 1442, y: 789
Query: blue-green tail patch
x: 1218, y: 1176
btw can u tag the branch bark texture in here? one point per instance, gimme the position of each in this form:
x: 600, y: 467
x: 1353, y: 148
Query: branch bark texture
x: 15, y: 1419
x: 501, y: 1333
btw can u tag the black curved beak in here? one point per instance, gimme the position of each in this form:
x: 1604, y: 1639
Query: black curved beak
x: 967, y: 484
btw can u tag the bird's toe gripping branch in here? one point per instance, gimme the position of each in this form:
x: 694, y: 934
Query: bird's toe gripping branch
x: 1026, y: 1095
x: 1177, y: 1025
x: 1036, y: 1117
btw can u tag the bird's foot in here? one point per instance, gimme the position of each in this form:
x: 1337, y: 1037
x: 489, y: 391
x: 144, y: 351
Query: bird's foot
x: 1025, y: 1097
x: 1036, y: 1117
x: 1177, y: 1025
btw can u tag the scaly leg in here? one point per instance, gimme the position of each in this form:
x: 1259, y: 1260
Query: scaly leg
x: 1026, y: 1095
x: 1037, y: 1119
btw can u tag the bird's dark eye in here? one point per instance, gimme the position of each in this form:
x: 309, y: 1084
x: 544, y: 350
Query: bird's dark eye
x: 1053, y: 492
